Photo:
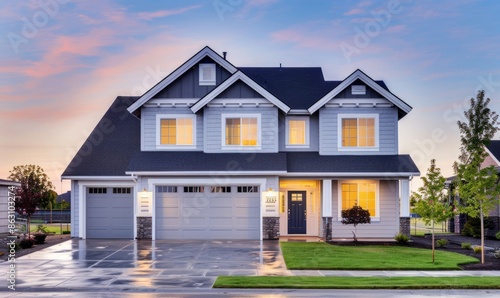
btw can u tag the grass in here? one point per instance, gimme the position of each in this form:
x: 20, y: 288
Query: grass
x: 339, y: 282
x: 51, y: 228
x: 323, y: 256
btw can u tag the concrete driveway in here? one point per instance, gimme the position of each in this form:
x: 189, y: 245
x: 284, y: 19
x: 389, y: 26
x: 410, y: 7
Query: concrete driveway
x: 143, y: 264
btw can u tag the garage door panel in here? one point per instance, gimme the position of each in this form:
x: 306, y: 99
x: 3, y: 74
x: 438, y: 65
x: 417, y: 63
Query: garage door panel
x: 208, y: 215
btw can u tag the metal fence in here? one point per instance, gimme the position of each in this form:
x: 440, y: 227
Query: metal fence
x: 51, y: 216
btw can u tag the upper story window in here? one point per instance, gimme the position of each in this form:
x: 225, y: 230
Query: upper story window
x: 358, y: 131
x: 359, y: 193
x: 297, y: 132
x: 207, y: 74
x: 176, y: 131
x: 241, y: 131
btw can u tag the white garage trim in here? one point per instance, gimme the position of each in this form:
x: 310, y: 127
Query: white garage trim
x: 152, y: 183
x: 82, y: 185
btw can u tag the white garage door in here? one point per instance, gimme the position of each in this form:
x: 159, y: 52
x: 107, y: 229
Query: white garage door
x: 109, y: 212
x: 207, y: 212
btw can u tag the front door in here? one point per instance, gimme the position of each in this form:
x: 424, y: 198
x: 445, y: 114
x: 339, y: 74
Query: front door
x: 297, y: 212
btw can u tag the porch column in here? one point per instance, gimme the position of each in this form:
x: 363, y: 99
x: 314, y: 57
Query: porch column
x: 404, y: 207
x: 326, y: 210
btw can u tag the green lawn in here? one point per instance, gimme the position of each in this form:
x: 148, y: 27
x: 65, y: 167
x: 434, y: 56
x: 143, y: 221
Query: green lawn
x: 320, y: 255
x: 51, y: 228
x: 337, y: 282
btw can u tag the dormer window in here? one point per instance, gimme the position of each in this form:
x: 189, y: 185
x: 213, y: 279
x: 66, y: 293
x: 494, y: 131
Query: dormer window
x: 207, y: 74
x: 358, y: 89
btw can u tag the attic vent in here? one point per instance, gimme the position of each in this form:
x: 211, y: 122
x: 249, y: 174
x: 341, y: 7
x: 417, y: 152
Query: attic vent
x: 207, y: 74
x: 358, y: 89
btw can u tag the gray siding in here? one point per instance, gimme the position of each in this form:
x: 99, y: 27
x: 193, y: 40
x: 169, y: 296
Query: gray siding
x: 239, y: 90
x: 313, y: 134
x: 388, y: 130
x: 187, y: 85
x: 75, y: 209
x: 387, y: 227
x: 149, y: 129
x: 4, y: 198
x: 213, y: 127
x: 347, y: 93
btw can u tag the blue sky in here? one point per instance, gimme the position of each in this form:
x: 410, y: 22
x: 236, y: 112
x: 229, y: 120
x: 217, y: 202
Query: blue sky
x: 63, y: 62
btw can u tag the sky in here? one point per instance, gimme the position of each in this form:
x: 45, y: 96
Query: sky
x: 63, y: 62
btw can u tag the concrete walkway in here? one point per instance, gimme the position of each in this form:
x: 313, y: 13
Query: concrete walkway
x: 125, y: 265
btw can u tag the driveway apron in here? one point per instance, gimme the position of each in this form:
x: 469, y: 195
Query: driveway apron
x: 143, y: 264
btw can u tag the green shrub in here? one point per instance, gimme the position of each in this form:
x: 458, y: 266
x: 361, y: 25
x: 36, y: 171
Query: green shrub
x: 497, y: 254
x: 66, y: 232
x: 442, y: 243
x: 477, y: 249
x: 39, y: 238
x: 42, y: 229
x: 472, y: 227
x: 466, y: 245
x: 26, y: 243
x: 402, y: 238
x: 498, y: 235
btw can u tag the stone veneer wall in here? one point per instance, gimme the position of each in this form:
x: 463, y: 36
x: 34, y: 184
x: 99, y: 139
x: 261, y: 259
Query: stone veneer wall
x: 404, y: 226
x: 271, y: 228
x: 327, y: 229
x: 144, y: 227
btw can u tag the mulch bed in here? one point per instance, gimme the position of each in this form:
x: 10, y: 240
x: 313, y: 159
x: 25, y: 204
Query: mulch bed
x: 49, y: 241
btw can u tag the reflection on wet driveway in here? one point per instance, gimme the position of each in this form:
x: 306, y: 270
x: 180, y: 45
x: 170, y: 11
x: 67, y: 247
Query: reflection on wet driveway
x: 141, y: 264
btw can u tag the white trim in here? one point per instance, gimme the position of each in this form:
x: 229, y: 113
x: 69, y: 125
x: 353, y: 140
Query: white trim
x: 326, y: 198
x: 298, y: 112
x: 208, y: 182
x: 307, y: 132
x: 82, y: 186
x: 160, y: 146
x: 377, y: 196
x: 492, y: 156
x: 358, y: 74
x: 99, y: 178
x: 358, y: 89
x: 357, y: 116
x: 205, y: 52
x: 230, y: 81
x: 404, y: 203
x: 212, y: 173
x: 381, y: 175
x: 241, y: 147
x: 201, y: 78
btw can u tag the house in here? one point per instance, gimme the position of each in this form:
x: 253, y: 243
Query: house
x: 458, y: 221
x: 215, y: 151
x: 6, y: 204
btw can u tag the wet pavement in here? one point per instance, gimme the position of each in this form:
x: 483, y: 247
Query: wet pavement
x: 134, y: 265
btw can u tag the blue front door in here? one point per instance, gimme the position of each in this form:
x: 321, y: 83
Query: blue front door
x: 297, y: 212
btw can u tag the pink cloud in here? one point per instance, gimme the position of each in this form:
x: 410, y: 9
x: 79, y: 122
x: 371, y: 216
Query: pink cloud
x: 165, y: 13
x: 353, y: 11
x: 395, y: 28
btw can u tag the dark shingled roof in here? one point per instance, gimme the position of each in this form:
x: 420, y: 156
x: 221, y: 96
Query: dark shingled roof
x: 199, y: 161
x: 297, y: 87
x: 113, y: 148
x: 494, y: 148
x: 108, y: 149
x: 312, y: 162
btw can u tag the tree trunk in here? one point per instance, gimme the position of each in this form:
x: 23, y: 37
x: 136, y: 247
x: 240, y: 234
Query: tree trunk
x: 482, y: 231
x: 433, y: 241
x: 28, y: 227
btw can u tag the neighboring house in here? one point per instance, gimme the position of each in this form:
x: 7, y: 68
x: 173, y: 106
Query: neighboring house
x: 64, y: 197
x: 492, y: 159
x: 214, y: 151
x: 5, y: 198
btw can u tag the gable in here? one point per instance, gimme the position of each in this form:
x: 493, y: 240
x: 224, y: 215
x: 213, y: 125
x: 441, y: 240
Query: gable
x: 493, y: 150
x: 239, y: 90
x: 188, y: 84
x: 369, y: 91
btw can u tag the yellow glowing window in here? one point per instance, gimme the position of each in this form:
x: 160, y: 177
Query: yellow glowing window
x: 358, y: 132
x: 297, y: 132
x: 176, y: 131
x: 242, y: 131
x: 361, y: 194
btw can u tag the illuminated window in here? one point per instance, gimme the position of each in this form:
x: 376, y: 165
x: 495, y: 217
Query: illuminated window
x: 241, y: 131
x: 297, y: 132
x: 360, y: 193
x: 176, y: 131
x: 358, y: 132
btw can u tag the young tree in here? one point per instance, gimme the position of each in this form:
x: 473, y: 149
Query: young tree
x: 35, y: 185
x: 432, y: 204
x: 478, y: 187
x: 354, y: 216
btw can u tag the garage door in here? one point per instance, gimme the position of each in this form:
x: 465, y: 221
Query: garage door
x: 207, y: 212
x: 109, y: 212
